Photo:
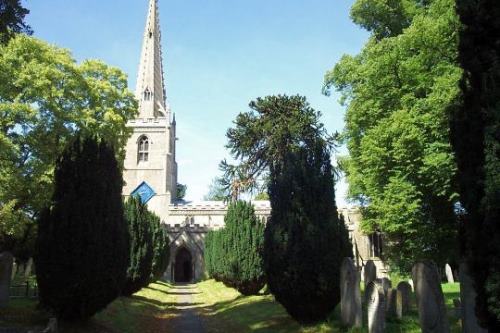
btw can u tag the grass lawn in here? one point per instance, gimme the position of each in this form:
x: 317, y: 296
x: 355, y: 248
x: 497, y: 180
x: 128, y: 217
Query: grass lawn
x: 222, y: 309
x: 225, y: 310
x: 146, y: 311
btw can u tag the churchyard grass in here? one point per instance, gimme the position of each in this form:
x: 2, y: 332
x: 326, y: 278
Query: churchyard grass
x: 146, y: 311
x: 225, y: 310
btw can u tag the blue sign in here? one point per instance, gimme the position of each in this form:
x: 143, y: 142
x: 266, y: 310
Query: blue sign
x: 144, y: 192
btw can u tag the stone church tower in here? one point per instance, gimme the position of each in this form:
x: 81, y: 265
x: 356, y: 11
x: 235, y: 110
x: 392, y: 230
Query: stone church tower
x: 150, y: 166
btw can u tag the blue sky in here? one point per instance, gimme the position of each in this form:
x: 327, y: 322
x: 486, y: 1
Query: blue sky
x: 218, y: 56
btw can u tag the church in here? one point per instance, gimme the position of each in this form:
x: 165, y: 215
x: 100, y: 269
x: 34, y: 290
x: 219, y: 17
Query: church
x: 150, y: 171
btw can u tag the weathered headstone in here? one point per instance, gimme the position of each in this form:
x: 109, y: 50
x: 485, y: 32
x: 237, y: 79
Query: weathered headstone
x: 369, y: 272
x: 376, y: 308
x: 391, y: 298
x: 29, y: 266
x: 14, y: 270
x: 350, y: 295
x: 457, y: 307
x: 52, y: 326
x: 430, y: 300
x: 399, y: 304
x: 386, y: 284
x: 405, y: 289
x: 468, y: 296
x: 449, y: 273
x: 6, y: 261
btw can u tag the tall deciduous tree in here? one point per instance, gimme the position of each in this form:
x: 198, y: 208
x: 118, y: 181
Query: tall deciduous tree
x: 476, y: 141
x: 12, y: 14
x: 397, y: 92
x: 82, y: 245
x: 45, y: 98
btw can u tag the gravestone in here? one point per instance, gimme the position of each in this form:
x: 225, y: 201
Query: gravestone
x: 369, y: 272
x: 449, y: 273
x: 29, y: 266
x: 6, y: 261
x: 350, y: 295
x: 430, y: 300
x: 405, y: 289
x: 386, y: 284
x: 399, y: 304
x: 457, y: 307
x: 468, y: 296
x: 391, y: 298
x: 14, y: 270
x: 376, y: 308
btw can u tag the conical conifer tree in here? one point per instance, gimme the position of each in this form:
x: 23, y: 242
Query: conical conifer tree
x: 141, y: 245
x: 304, y: 240
x: 82, y: 245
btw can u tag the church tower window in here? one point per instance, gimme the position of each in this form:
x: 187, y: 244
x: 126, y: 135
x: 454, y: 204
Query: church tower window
x: 147, y: 94
x: 143, y: 151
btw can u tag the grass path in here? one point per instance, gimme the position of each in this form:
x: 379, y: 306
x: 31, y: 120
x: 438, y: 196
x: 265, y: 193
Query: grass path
x: 208, y: 306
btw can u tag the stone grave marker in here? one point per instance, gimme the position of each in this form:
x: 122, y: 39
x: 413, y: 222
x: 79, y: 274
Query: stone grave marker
x: 405, y: 289
x: 391, y: 299
x: 449, y: 273
x: 6, y: 261
x: 369, y: 272
x: 386, y: 283
x: 14, y: 270
x: 350, y: 295
x: 467, y: 297
x: 376, y: 308
x: 29, y: 266
x: 430, y: 301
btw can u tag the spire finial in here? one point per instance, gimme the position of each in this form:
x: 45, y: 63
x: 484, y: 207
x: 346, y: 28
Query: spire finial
x: 150, y: 88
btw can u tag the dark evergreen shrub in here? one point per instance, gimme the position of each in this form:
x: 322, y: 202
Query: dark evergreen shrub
x: 304, y: 241
x: 244, y: 237
x: 82, y: 246
x: 161, y: 248
x: 141, y: 245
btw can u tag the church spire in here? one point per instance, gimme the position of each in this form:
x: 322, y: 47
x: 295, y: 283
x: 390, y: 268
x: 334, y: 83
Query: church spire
x: 150, y: 89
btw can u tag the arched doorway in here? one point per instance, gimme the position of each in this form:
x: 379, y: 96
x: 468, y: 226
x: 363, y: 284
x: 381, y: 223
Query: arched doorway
x: 183, y: 271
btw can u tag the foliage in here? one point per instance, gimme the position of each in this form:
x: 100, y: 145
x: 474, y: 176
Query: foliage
x: 262, y: 196
x: 216, y: 191
x: 12, y: 15
x: 305, y: 241
x: 475, y: 137
x: 397, y: 91
x: 181, y: 191
x: 274, y: 126
x: 234, y: 254
x: 82, y: 246
x: 161, y: 248
x: 45, y: 98
x: 140, y: 227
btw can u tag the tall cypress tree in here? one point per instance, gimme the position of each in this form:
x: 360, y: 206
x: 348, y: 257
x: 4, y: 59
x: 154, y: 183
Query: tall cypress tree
x: 161, y: 248
x: 304, y: 240
x: 475, y: 128
x: 245, y: 244
x: 141, y: 245
x: 82, y: 245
